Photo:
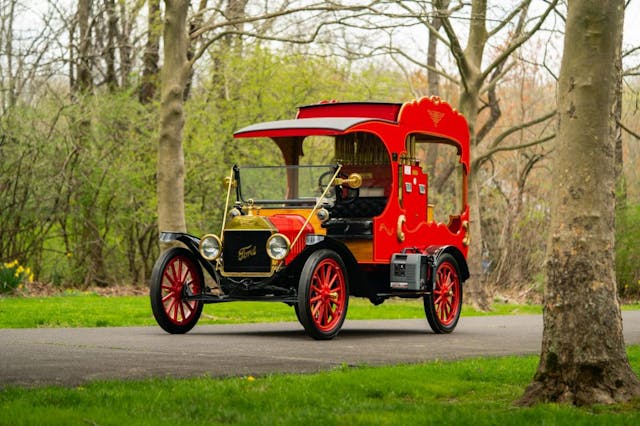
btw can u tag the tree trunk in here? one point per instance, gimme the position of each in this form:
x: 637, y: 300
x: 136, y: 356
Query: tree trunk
x: 473, y: 78
x: 110, y: 53
x: 475, y: 289
x: 9, y: 95
x: 174, y: 75
x: 84, y: 80
x: 469, y: 63
x: 88, y: 238
x: 469, y: 106
x: 433, y: 79
x: 621, y: 183
x: 151, y: 57
x: 123, y: 36
x: 583, y: 358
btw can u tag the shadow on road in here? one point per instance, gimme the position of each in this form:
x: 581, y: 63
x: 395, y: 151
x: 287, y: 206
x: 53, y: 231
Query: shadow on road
x: 351, y: 333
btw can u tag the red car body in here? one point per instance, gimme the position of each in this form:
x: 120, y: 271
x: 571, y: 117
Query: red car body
x: 312, y: 235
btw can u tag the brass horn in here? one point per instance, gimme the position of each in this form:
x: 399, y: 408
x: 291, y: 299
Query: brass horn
x: 353, y: 181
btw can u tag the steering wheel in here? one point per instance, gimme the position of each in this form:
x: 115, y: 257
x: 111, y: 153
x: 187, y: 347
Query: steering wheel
x: 322, y: 184
x: 343, y: 193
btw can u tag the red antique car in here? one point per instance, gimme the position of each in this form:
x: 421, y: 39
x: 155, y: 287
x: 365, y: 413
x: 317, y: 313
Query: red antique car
x: 365, y: 221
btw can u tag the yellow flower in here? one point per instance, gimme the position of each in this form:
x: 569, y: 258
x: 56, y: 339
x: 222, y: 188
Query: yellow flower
x: 11, y: 264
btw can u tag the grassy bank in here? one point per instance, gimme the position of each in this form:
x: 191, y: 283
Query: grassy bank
x: 88, y: 310
x: 478, y: 392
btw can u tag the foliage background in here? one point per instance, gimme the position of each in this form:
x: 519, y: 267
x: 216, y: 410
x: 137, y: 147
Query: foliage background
x: 78, y: 165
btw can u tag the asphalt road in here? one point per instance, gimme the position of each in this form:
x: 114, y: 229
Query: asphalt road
x: 70, y: 357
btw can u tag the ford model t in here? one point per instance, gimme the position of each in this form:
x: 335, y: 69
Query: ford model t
x: 383, y: 215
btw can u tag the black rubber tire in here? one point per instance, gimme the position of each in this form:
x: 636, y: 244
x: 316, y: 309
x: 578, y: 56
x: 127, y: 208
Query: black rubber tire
x: 444, y: 304
x: 328, y: 297
x: 174, y: 315
x: 297, y: 311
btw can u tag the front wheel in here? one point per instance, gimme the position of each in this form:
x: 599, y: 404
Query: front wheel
x: 323, y: 295
x: 443, y: 305
x: 175, y: 274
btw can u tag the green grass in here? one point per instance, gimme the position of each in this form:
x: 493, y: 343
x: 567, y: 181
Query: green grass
x: 90, y: 310
x: 470, y: 392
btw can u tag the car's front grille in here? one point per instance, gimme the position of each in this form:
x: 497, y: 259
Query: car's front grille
x: 245, y: 251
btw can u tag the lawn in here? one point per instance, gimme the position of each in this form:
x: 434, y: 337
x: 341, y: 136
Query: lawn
x: 90, y: 310
x: 477, y: 391
x: 469, y: 392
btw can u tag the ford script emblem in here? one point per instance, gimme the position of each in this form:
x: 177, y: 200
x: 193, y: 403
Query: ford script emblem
x: 246, y: 252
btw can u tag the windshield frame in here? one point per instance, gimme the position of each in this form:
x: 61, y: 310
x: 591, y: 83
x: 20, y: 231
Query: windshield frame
x: 292, y: 176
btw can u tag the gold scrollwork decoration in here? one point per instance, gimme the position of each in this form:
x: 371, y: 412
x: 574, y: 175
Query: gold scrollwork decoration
x: 399, y: 232
x: 467, y: 236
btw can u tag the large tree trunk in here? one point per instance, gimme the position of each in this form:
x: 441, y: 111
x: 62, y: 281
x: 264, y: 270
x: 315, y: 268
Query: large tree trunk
x: 175, y: 72
x: 583, y: 358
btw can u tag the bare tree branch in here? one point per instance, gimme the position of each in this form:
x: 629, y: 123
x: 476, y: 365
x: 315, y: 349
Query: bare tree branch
x: 456, y: 48
x: 483, y: 157
x: 628, y: 130
x: 519, y: 40
x: 521, y: 9
x: 500, y: 138
x: 230, y: 27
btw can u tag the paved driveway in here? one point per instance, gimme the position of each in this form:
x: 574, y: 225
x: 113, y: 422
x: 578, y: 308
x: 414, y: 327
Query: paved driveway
x: 72, y: 356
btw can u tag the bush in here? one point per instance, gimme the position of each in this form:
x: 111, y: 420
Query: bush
x: 13, y: 276
x: 628, y: 251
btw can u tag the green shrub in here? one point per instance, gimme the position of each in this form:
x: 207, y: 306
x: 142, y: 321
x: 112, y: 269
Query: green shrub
x: 628, y: 251
x: 13, y: 276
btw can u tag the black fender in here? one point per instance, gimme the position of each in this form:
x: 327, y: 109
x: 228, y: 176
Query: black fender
x: 437, y: 251
x: 353, y: 269
x: 192, y: 243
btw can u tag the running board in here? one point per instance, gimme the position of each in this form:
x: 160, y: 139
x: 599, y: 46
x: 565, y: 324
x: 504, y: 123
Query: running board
x: 213, y: 298
x: 404, y: 294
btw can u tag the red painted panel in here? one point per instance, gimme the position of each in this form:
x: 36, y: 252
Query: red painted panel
x: 290, y: 225
x: 414, y: 195
x: 437, y: 117
x: 382, y: 111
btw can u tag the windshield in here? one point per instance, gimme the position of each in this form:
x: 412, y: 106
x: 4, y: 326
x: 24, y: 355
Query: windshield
x: 283, y: 184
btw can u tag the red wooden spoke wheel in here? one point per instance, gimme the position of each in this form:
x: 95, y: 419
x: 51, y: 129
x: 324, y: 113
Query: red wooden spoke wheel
x: 175, y: 273
x: 323, y: 295
x: 442, y: 307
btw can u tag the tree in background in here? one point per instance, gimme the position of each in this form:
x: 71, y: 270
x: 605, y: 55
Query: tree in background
x: 484, y: 40
x: 583, y: 359
x: 185, y: 43
x: 79, y: 119
x: 474, y: 79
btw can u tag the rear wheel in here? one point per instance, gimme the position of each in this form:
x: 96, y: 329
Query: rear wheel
x: 323, y: 295
x: 175, y: 274
x: 442, y: 307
